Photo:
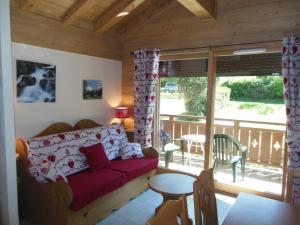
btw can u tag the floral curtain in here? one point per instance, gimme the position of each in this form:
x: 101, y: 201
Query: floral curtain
x: 146, y: 64
x: 291, y: 80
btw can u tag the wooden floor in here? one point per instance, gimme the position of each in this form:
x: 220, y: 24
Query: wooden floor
x: 257, y: 176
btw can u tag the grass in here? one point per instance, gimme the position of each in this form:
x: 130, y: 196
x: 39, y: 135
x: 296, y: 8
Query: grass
x: 174, y: 95
x: 264, y: 101
x: 260, y: 108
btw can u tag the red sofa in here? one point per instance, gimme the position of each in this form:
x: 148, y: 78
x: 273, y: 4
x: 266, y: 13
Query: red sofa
x: 88, y: 186
x: 87, y: 196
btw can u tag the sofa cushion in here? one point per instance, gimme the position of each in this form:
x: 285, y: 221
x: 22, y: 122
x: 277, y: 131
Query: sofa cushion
x: 96, y: 156
x: 51, y: 172
x: 61, y: 149
x: 111, y: 136
x: 87, y: 186
x: 134, y: 167
x: 131, y: 150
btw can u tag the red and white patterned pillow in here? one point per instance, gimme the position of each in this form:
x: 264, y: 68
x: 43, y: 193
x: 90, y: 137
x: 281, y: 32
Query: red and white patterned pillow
x: 63, y: 149
x: 49, y: 171
x: 110, y: 136
x: 131, y: 150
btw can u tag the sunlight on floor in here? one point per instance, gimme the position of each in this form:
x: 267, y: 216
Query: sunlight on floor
x: 259, y: 177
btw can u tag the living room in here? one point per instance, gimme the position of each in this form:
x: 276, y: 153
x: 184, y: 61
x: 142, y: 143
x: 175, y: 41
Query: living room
x: 67, y: 66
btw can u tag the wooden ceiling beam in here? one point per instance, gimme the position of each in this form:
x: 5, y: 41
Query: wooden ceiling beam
x: 28, y: 4
x: 149, y: 11
x: 201, y: 8
x: 79, y: 7
x: 109, y: 19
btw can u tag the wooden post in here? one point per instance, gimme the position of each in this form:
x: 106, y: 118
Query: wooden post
x: 173, y: 126
x: 209, y: 132
x: 236, y: 128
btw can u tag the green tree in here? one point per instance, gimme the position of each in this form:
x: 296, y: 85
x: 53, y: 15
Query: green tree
x: 266, y: 88
x: 194, y: 90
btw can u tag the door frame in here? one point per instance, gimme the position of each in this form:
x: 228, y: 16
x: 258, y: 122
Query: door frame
x: 8, y: 184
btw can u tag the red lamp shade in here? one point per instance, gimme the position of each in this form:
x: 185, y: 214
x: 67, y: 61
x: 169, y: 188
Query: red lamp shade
x: 122, y: 112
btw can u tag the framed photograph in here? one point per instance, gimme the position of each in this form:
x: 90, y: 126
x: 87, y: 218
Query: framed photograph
x: 92, y: 89
x: 35, y: 82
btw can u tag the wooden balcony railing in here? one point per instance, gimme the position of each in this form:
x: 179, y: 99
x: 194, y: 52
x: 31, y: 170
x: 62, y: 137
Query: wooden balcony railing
x: 265, y: 140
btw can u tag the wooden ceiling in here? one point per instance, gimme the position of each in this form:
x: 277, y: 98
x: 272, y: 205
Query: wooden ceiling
x: 100, y: 16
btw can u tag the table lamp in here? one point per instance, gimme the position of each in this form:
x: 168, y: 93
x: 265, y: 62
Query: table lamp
x: 122, y: 113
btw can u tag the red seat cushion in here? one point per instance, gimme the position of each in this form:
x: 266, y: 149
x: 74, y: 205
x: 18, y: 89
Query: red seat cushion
x: 95, y: 156
x: 134, y: 167
x: 87, y: 186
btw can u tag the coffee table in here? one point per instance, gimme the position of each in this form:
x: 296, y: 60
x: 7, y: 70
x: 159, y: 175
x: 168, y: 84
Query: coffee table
x: 171, y: 186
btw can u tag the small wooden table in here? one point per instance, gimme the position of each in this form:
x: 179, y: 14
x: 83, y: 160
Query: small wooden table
x: 171, y: 186
x: 190, y: 138
x: 255, y: 210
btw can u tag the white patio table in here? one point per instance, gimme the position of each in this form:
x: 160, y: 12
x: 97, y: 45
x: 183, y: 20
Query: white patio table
x: 190, y: 138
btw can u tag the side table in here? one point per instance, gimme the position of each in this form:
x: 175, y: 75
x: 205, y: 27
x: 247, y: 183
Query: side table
x: 171, y: 186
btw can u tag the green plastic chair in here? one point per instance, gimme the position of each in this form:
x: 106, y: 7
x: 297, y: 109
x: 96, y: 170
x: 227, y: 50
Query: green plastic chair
x: 168, y: 146
x: 228, y: 150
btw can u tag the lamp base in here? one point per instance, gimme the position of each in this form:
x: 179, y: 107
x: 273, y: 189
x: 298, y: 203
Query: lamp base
x: 123, y: 123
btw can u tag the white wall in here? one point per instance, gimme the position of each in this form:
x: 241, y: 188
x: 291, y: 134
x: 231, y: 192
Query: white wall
x: 8, y: 178
x: 71, y: 70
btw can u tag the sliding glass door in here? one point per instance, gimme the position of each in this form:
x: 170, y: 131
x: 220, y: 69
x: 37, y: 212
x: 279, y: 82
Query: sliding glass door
x: 183, y: 97
x: 249, y: 123
x: 227, y: 112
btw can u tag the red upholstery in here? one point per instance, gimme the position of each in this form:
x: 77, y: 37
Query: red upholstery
x: 87, y: 186
x: 95, y: 156
x: 134, y: 167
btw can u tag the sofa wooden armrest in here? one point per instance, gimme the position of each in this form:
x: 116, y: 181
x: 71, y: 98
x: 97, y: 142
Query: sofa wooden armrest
x: 150, y: 152
x: 47, y: 203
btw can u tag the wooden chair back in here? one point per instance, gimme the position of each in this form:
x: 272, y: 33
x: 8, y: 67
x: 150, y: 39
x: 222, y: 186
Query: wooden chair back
x: 167, y: 214
x: 204, y: 199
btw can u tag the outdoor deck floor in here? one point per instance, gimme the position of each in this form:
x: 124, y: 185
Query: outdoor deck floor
x: 264, y: 178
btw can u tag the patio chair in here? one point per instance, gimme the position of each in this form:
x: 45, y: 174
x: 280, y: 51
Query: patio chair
x: 169, y: 146
x: 205, y: 204
x: 227, y: 150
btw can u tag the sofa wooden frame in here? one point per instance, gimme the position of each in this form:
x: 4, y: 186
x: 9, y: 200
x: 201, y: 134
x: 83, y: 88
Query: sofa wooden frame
x: 48, y: 204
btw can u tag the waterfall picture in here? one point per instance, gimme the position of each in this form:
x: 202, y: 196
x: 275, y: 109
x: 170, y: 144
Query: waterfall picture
x: 35, y: 82
x: 92, y: 89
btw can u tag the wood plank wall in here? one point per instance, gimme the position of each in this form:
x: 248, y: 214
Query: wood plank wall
x: 40, y: 31
x: 238, y: 21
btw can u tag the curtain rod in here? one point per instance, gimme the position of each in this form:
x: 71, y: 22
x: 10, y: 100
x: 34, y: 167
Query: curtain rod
x: 215, y: 46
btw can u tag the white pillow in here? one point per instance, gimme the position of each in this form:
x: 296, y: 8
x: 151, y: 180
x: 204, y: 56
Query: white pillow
x: 131, y: 150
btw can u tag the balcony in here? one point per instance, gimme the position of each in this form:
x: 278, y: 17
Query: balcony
x: 265, y: 142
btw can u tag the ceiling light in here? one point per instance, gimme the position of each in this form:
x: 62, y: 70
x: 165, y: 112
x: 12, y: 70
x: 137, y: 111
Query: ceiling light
x: 122, y: 14
x: 249, y: 51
